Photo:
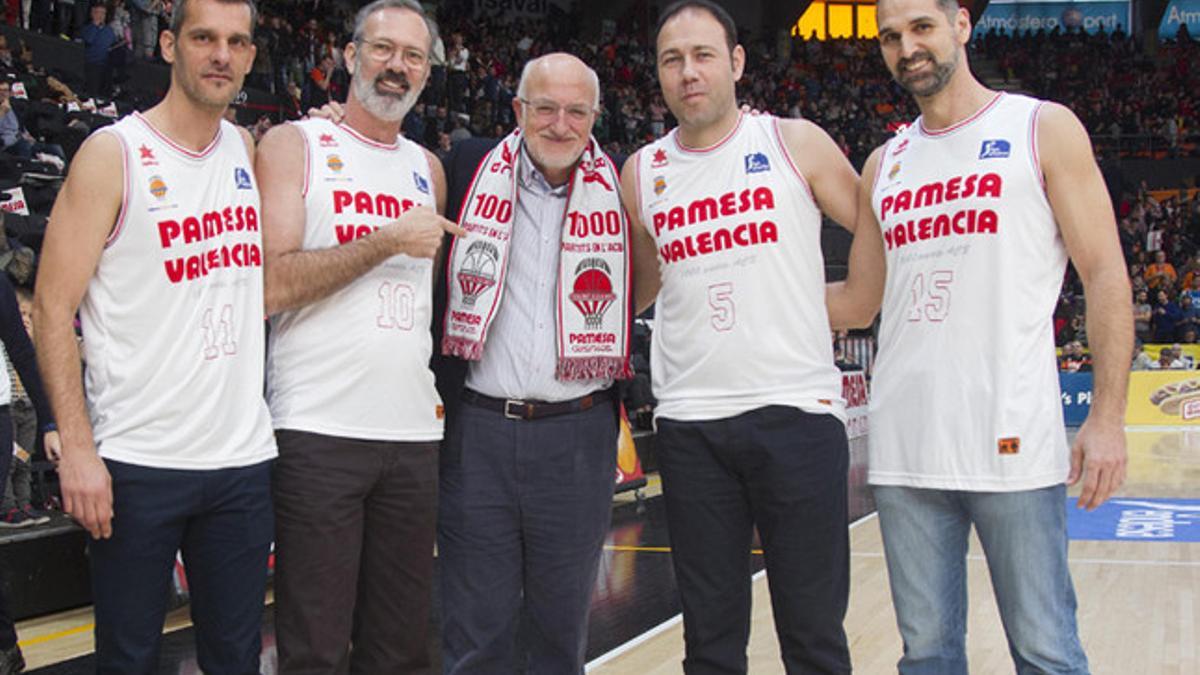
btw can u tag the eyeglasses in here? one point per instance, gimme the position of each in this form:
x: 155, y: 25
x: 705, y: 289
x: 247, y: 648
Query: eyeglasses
x: 549, y: 110
x: 383, y: 51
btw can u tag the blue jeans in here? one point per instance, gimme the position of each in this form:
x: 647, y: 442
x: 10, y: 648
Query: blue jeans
x: 1024, y: 537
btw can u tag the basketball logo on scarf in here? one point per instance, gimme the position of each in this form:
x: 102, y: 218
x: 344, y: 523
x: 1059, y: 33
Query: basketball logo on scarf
x: 478, y: 272
x: 592, y: 291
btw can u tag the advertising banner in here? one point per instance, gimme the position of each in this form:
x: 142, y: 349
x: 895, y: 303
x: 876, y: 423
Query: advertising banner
x: 1092, y: 17
x: 1179, y: 13
x: 1076, y: 397
x: 854, y: 390
x: 1163, y: 398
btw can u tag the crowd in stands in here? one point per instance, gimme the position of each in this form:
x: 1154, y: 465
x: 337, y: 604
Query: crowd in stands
x: 1134, y: 101
x: 1160, y: 237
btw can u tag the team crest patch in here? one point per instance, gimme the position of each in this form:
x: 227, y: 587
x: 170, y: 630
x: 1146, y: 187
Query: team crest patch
x: 895, y: 171
x: 660, y: 159
x: 592, y: 291
x: 756, y: 162
x: 994, y: 149
x: 420, y: 182
x: 478, y: 272
x: 660, y: 185
x: 241, y: 178
x: 158, y: 187
x: 1009, y: 446
x: 334, y: 163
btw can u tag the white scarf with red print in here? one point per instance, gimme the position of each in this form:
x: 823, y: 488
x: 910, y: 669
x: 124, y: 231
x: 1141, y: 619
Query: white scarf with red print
x: 593, y: 268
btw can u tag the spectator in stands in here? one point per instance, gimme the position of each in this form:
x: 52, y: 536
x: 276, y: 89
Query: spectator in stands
x: 437, y: 71
x: 14, y: 138
x: 98, y: 42
x: 443, y: 146
x: 1193, y: 289
x: 145, y: 15
x: 1165, y: 318
x: 316, y: 86
x: 17, y: 509
x: 457, y: 62
x: 1160, y: 273
x: 1189, y: 316
x: 1141, y: 360
x: 1074, y: 359
x: 1168, y: 360
x: 121, y: 56
x: 1142, y: 315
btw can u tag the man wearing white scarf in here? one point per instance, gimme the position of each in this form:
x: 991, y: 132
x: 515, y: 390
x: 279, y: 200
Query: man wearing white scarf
x: 536, y: 328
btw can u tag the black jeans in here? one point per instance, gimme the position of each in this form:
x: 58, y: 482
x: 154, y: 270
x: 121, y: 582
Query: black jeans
x: 783, y: 470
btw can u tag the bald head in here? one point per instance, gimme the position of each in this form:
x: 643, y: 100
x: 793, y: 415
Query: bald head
x: 557, y: 68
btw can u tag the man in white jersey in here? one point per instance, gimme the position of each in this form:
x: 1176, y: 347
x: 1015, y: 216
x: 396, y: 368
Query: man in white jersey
x: 979, y: 202
x: 351, y: 231
x: 155, y: 239
x: 750, y: 418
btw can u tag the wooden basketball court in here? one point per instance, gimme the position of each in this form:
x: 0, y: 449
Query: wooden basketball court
x: 1138, y: 599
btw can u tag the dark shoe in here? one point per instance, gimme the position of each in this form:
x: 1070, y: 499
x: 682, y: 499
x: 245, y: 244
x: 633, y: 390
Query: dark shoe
x: 11, y: 661
x: 36, y: 517
x: 15, y: 518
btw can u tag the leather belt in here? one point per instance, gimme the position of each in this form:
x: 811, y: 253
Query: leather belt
x: 516, y: 409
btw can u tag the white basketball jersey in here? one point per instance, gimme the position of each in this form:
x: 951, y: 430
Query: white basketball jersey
x: 740, y: 322
x: 965, y: 391
x: 356, y: 364
x: 173, y: 316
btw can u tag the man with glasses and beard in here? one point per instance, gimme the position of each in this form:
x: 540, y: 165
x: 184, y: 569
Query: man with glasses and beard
x: 351, y: 228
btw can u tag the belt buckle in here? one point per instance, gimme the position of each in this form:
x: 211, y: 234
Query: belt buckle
x: 520, y: 406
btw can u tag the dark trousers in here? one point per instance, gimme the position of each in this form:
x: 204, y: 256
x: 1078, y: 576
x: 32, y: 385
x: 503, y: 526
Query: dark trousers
x: 221, y: 520
x: 97, y: 79
x: 8, y: 632
x: 783, y: 470
x: 355, y: 523
x: 524, y: 510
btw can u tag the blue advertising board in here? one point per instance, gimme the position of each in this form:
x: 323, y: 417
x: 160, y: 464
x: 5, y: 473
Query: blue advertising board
x: 1180, y: 13
x: 1092, y: 17
x: 1136, y: 519
x: 1076, y: 397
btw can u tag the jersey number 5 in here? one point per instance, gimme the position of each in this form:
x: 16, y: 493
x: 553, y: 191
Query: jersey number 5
x: 720, y: 299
